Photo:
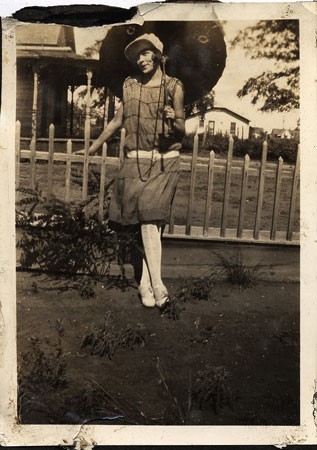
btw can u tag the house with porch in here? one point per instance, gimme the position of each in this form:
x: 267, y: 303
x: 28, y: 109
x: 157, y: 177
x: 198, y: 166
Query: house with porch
x: 219, y: 120
x: 48, y: 70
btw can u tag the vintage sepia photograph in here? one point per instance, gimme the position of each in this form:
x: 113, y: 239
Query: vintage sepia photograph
x: 158, y: 223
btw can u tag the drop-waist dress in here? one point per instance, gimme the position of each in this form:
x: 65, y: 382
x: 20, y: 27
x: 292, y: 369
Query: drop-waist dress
x: 145, y: 186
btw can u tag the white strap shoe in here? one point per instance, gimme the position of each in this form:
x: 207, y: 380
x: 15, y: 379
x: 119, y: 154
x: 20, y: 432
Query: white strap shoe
x: 147, y: 296
x: 161, y: 296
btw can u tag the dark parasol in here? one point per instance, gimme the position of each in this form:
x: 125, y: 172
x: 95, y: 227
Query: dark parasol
x: 196, y: 54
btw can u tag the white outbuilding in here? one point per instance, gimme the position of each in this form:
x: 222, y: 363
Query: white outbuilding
x: 219, y: 120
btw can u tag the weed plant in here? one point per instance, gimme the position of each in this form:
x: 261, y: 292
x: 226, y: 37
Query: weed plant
x: 42, y: 369
x: 194, y: 289
x: 97, y: 403
x: 239, y: 271
x: 178, y: 409
x: 106, y: 340
x: 212, y: 389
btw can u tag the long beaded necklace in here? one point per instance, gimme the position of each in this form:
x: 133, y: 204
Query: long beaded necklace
x: 155, y: 129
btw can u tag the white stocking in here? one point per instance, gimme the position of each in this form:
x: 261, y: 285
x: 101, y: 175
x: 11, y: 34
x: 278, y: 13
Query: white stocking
x: 145, y: 278
x: 151, y: 236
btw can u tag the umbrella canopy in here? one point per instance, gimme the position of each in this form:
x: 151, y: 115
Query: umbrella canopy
x: 196, y: 54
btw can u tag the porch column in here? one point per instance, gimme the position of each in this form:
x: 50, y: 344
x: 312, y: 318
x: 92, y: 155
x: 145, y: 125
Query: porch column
x: 89, y: 76
x: 71, y: 118
x: 35, y: 68
x: 105, y: 108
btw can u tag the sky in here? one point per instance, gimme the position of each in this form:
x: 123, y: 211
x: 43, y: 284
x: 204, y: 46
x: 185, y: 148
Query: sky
x: 238, y: 69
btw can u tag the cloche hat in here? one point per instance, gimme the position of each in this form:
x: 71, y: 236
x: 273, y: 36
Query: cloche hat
x: 142, y: 43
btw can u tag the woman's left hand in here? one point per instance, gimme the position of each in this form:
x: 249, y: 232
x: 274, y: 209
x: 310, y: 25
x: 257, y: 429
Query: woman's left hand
x: 169, y: 112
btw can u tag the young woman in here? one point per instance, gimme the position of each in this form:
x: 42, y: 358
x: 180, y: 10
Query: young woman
x: 146, y: 183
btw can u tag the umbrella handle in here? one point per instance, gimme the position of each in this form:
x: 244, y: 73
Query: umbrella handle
x: 169, y: 121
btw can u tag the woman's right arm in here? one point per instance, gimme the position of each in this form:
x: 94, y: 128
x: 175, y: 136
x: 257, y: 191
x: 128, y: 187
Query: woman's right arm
x: 109, y: 131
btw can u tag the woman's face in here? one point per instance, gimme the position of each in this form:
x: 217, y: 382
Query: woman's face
x: 146, y: 61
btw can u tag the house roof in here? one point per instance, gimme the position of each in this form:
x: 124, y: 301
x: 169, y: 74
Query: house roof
x: 226, y: 110
x: 53, y: 46
x: 280, y: 131
x: 64, y: 53
x: 45, y: 35
x: 257, y: 129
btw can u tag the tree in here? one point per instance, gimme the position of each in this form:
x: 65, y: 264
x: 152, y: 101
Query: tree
x: 277, y: 40
x: 201, y: 106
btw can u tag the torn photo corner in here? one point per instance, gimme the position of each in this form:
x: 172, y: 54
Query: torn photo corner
x: 156, y: 295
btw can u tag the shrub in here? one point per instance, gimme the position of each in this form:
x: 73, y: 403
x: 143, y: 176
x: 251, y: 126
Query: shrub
x: 286, y: 148
x: 68, y: 239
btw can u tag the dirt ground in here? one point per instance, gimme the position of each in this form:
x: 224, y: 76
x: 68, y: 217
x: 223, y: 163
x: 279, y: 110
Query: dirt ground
x: 230, y: 360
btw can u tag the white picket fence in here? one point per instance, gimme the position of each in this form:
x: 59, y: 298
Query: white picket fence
x: 193, y: 163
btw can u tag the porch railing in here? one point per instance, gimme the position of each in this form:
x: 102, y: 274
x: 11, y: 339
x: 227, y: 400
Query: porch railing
x: 194, y: 164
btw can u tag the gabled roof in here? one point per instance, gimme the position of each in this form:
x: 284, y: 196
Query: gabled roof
x: 277, y: 130
x: 53, y: 46
x: 226, y: 110
x: 232, y: 113
x: 257, y: 129
x: 45, y: 35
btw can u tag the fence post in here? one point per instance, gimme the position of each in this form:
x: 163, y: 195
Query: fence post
x: 68, y: 171
x: 86, y: 160
x: 102, y: 181
x: 260, y: 192
x: 227, y: 188
x: 17, y: 155
x: 87, y: 138
x: 244, y: 187
x: 293, y: 197
x: 35, y: 68
x: 121, y: 147
x: 50, y: 160
x: 192, y: 186
x: 209, y: 191
x: 276, y: 197
x: 32, y: 163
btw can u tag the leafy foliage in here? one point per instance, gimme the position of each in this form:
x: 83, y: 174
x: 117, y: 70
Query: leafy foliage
x: 286, y: 148
x: 173, y: 309
x: 68, y: 239
x: 44, y: 365
x: 201, y: 106
x: 196, y: 289
x: 277, y: 40
x: 104, y: 341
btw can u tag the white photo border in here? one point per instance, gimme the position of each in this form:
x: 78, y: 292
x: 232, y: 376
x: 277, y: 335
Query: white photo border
x: 32, y: 435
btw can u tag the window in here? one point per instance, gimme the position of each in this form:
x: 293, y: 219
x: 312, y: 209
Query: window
x: 233, y: 128
x: 211, y: 127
